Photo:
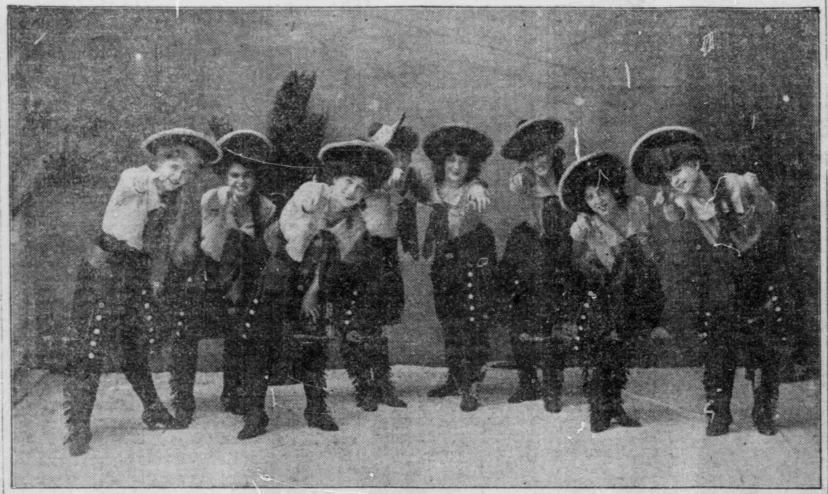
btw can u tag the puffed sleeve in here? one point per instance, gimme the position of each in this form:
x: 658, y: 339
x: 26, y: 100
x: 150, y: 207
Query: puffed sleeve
x: 300, y: 219
x: 213, y: 226
x: 132, y: 182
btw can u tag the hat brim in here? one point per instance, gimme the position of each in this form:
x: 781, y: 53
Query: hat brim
x: 366, y: 160
x: 653, y: 171
x: 198, y: 141
x: 441, y: 141
x: 531, y: 137
x: 599, y: 168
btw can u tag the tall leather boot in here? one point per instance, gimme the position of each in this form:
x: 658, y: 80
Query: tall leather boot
x: 719, y: 374
x: 135, y: 367
x: 718, y: 412
x: 766, y: 395
x: 470, y: 382
x: 79, y: 391
x: 253, y: 402
x: 617, y: 380
x: 383, y: 386
x: 184, y: 356
x: 599, y: 401
x: 316, y: 411
x: 358, y: 368
x: 452, y: 385
x: 553, y: 379
x: 231, y: 376
x: 366, y: 396
x: 527, y: 385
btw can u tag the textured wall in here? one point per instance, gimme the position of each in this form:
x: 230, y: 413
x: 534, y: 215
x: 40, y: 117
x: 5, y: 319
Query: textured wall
x: 87, y: 85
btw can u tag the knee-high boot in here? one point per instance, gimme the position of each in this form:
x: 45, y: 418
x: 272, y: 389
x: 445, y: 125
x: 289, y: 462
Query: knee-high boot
x: 316, y: 411
x: 766, y: 393
x: 616, y: 382
x: 381, y: 364
x: 136, y: 369
x: 184, y: 356
x: 527, y: 375
x: 358, y: 366
x: 80, y: 390
x: 553, y: 379
x: 454, y: 361
x: 719, y: 373
x: 599, y: 400
x: 231, y: 375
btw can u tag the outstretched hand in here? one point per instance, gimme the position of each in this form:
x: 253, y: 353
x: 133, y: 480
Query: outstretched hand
x: 478, y: 196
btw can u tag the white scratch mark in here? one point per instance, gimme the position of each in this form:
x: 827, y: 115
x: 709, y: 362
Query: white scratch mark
x: 176, y: 9
x: 256, y: 486
x: 272, y: 398
x: 753, y: 122
x: 583, y: 426
x: 577, y: 145
x: 707, y: 44
x: 38, y: 40
x: 683, y: 413
x: 629, y: 78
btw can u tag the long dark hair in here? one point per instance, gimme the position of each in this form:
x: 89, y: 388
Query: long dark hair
x: 475, y: 163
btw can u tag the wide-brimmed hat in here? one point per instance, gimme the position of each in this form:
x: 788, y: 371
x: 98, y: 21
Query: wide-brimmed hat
x: 663, y: 149
x: 395, y: 137
x: 203, y: 143
x: 245, y: 147
x: 597, y: 169
x: 458, y: 138
x: 364, y: 159
x: 530, y: 137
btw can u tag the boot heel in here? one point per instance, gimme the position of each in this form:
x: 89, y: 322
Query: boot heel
x: 156, y: 416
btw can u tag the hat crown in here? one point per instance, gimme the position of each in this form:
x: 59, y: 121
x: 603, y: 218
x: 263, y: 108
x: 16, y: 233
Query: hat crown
x: 457, y: 137
x: 599, y: 169
x: 203, y: 143
x: 532, y: 136
x: 246, y: 144
x: 366, y: 159
x: 649, y: 168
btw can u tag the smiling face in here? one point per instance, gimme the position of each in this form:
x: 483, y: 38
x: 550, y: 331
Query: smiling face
x: 348, y: 191
x: 457, y: 167
x: 175, y: 165
x: 600, y: 200
x: 683, y: 179
x: 241, y: 181
x: 541, y: 162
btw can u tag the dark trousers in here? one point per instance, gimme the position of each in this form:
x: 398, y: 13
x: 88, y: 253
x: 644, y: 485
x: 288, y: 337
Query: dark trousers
x: 112, y: 307
x: 748, y: 315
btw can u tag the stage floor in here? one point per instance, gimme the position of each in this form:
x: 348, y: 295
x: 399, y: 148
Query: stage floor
x: 429, y: 444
